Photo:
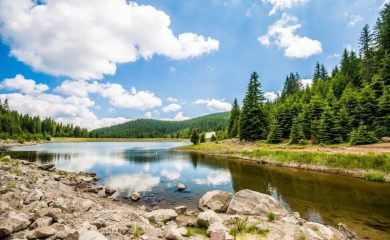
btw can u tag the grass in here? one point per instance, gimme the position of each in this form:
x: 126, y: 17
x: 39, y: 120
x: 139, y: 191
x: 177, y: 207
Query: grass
x: 66, y: 139
x: 374, y: 177
x: 310, y: 154
x: 10, y: 186
x: 137, y: 232
x: 16, y: 171
x: 241, y: 230
x: 194, y: 231
x: 271, y: 216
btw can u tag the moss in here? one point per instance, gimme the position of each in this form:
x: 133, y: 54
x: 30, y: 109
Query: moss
x: 374, y: 177
x: 271, y: 216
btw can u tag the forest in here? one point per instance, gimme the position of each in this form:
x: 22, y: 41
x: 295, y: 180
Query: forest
x: 23, y: 127
x: 349, y: 104
x: 150, y: 128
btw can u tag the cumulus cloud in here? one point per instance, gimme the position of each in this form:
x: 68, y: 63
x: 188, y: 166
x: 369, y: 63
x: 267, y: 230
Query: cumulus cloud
x: 283, y: 4
x: 23, y: 85
x: 214, y: 104
x: 306, y: 82
x: 171, y: 99
x: 115, y: 93
x: 352, y: 19
x: 270, y: 96
x: 216, y: 178
x: 84, y: 40
x: 31, y: 99
x: 282, y: 34
x: 178, y: 117
x: 173, y: 107
x: 148, y: 115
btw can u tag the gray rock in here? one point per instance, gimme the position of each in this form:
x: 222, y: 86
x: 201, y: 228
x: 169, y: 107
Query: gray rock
x: 181, y: 187
x: 315, y: 229
x: 208, y: 217
x: 87, y: 204
x: 216, y: 227
x: 99, y: 223
x: 109, y: 191
x: 220, y: 236
x: 42, y: 222
x: 215, y: 200
x: 172, y: 233
x: 247, y: 202
x: 5, y: 230
x: 180, y: 209
x: 41, y: 232
x: 6, y: 167
x: 161, y: 215
x: 65, y: 232
x: 55, y: 213
x: 135, y: 196
x: 61, y: 204
x: 47, y: 166
x: 17, y: 220
x: 34, y: 195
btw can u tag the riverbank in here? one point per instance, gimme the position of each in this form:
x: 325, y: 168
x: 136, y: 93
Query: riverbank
x: 371, y: 162
x: 64, y: 139
x: 12, y: 143
x: 39, y: 201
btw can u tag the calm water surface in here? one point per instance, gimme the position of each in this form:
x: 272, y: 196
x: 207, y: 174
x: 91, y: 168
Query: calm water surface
x: 152, y: 169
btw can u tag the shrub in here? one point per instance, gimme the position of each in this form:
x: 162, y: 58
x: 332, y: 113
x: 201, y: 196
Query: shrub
x: 271, y: 216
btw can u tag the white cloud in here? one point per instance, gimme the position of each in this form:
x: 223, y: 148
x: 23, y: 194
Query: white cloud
x: 148, y: 115
x: 283, y: 4
x: 23, y: 85
x: 215, y: 104
x: 352, y: 19
x: 139, y: 182
x: 306, y: 82
x: 173, y: 107
x: 171, y: 99
x: 178, y: 117
x: 170, y: 175
x: 118, y: 96
x: 84, y: 40
x: 282, y: 34
x: 270, y: 96
x: 216, y: 178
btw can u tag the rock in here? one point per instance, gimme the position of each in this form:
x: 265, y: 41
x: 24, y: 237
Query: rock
x: 216, y: 227
x: 181, y: 187
x: 41, y: 232
x: 55, y: 213
x: 13, y: 222
x: 64, y: 232
x: 88, y: 232
x: 109, y: 191
x: 220, y: 236
x: 34, y: 195
x: 207, y: 218
x: 42, y: 222
x: 87, y: 204
x: 47, y: 166
x: 24, y: 162
x: 161, y: 215
x: 84, y: 179
x: 7, y: 157
x: 4, y: 206
x: 61, y: 204
x: 99, y: 223
x: 180, y: 209
x: 6, y: 167
x: 313, y: 229
x: 135, y: 196
x: 215, y: 200
x: 57, y: 177
x: 247, y: 202
x: 172, y: 233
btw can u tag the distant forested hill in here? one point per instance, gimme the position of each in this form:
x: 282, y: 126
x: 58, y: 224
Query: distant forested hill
x: 149, y: 128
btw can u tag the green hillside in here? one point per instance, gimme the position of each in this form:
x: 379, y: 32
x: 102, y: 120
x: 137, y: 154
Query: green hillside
x: 150, y: 128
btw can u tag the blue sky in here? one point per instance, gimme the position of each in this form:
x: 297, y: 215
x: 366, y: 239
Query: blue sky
x: 105, y: 63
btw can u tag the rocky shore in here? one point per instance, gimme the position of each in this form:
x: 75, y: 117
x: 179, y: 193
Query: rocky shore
x: 41, y: 202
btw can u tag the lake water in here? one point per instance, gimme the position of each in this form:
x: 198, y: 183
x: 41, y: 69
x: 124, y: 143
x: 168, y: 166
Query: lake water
x: 154, y: 170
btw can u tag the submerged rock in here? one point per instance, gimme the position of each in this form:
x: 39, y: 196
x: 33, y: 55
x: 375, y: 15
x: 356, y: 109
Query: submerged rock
x: 247, y: 202
x: 215, y: 200
x: 181, y: 187
x: 135, y: 196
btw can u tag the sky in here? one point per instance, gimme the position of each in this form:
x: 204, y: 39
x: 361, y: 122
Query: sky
x: 108, y: 62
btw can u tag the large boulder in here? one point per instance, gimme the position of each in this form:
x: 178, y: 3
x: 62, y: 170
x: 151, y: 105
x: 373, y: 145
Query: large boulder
x: 41, y: 232
x: 34, y: 195
x: 161, y: 215
x: 13, y: 222
x: 207, y: 218
x: 316, y: 230
x: 215, y: 200
x: 247, y: 202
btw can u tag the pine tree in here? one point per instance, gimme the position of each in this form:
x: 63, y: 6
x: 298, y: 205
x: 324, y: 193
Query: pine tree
x: 275, y: 133
x: 362, y: 135
x: 253, y: 120
x: 366, y: 52
x: 195, y: 137
x: 202, y: 138
x: 317, y: 72
x: 296, y: 136
x: 344, y: 123
x: 323, y: 73
x: 368, y: 106
x: 232, y: 130
x: 329, y: 128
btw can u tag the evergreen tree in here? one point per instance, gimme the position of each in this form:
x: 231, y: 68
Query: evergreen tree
x: 344, y: 123
x: 366, y: 52
x: 317, y: 72
x: 291, y: 85
x: 195, y: 137
x: 297, y: 136
x: 234, y: 120
x: 329, y: 128
x: 202, y: 138
x: 253, y: 121
x: 275, y: 133
x: 323, y: 73
x: 362, y: 135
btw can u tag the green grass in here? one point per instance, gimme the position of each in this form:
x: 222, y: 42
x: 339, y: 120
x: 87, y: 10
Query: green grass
x: 271, y: 216
x: 240, y: 229
x: 10, y: 186
x: 342, y: 160
x: 16, y: 171
x: 374, y: 177
x: 137, y: 232
x: 193, y: 231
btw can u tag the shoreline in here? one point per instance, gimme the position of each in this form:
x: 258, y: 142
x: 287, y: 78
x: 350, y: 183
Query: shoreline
x: 39, y: 201
x: 354, y: 173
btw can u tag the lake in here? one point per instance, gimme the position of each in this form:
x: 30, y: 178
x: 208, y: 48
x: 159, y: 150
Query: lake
x: 154, y: 170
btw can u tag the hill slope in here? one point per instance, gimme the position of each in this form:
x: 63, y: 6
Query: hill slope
x: 150, y: 128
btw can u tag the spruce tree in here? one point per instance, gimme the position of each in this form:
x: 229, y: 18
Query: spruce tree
x: 329, y: 128
x: 366, y: 52
x: 317, y: 72
x: 362, y: 135
x: 296, y: 136
x: 232, y: 130
x: 195, y: 137
x: 253, y: 120
x: 275, y: 133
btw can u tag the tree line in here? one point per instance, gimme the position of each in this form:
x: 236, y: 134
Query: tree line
x: 23, y: 127
x: 350, y: 104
